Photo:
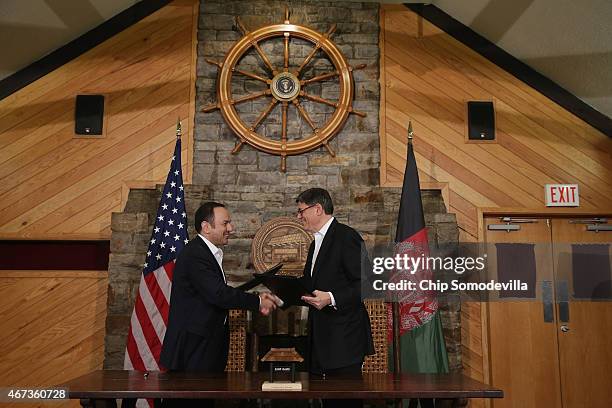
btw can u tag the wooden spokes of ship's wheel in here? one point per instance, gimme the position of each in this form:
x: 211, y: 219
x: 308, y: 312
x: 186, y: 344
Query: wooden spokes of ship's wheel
x: 285, y: 85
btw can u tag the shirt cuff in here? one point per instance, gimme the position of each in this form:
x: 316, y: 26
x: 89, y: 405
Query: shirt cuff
x: 333, y: 301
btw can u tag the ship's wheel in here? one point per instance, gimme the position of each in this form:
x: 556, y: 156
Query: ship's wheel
x: 286, y: 86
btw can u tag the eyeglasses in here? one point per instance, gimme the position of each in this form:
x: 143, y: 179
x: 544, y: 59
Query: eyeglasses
x: 301, y: 212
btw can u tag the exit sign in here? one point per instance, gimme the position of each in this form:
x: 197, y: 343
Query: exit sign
x: 562, y: 195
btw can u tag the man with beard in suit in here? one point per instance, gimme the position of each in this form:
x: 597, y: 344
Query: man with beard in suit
x: 197, y: 338
x: 339, y: 333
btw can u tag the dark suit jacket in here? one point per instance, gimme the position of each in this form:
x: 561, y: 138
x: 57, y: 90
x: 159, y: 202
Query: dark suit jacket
x: 197, y: 337
x: 341, y: 336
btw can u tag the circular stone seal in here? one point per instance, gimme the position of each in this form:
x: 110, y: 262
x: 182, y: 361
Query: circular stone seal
x: 281, y: 240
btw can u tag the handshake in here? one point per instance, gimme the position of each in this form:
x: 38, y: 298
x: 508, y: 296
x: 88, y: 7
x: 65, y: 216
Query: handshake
x: 268, y: 302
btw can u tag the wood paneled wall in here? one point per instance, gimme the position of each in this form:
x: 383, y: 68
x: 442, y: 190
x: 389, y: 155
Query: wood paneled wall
x: 52, y: 326
x: 427, y: 77
x: 58, y: 186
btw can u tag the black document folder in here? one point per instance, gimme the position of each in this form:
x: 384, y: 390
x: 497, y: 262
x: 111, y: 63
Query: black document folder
x: 254, y: 282
x: 288, y: 288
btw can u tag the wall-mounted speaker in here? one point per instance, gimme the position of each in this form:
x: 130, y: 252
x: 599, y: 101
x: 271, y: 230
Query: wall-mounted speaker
x: 481, y: 120
x: 89, y: 114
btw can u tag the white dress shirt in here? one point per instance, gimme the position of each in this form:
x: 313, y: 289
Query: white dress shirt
x: 318, y: 238
x: 217, y: 253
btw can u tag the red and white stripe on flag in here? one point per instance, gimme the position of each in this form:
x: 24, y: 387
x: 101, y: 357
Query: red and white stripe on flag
x: 149, y: 320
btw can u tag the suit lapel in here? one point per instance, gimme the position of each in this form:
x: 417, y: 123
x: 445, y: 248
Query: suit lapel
x: 209, y: 253
x: 325, y: 245
x: 308, y: 265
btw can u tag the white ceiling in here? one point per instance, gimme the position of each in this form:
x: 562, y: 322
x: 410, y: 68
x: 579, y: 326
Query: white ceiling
x: 31, y: 29
x: 568, y: 41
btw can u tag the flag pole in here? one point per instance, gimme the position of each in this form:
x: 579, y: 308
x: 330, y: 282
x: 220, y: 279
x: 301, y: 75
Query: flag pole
x: 410, y: 132
x: 396, y: 346
x: 396, y: 338
x: 178, y: 128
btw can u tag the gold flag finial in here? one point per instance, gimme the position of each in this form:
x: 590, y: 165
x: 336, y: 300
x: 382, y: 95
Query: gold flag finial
x: 178, y: 127
x: 410, y: 132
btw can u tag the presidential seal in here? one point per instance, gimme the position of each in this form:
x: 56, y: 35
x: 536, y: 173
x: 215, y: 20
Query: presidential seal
x: 281, y: 240
x: 285, y: 86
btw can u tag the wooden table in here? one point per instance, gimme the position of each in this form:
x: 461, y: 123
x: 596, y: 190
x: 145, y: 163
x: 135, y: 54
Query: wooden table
x: 114, y: 384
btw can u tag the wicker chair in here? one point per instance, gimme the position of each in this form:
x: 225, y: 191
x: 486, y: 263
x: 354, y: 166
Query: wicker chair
x: 237, y: 348
x: 377, y: 363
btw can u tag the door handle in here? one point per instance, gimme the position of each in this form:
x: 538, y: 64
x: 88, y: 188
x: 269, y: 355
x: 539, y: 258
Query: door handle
x: 562, y: 293
x: 547, y: 301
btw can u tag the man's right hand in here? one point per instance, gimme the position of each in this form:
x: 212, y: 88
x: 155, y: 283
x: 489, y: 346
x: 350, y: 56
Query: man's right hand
x: 266, y: 303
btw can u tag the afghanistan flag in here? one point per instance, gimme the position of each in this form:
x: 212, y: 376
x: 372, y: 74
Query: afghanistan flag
x: 422, y: 347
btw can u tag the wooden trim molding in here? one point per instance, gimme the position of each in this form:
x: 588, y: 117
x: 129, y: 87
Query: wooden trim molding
x: 79, y: 46
x: 54, y: 255
x: 54, y: 274
x: 382, y: 128
x: 188, y: 175
x: 520, y: 70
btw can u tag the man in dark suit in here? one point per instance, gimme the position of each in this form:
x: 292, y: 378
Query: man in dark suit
x: 197, y: 338
x: 338, y: 323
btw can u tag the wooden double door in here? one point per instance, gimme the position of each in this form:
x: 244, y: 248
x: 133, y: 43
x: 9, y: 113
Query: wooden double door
x: 551, y: 347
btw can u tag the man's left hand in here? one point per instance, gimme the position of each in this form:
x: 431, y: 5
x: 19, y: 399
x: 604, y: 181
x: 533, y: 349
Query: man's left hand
x: 319, y: 300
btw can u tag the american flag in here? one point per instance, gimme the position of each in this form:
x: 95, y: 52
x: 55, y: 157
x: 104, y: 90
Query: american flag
x: 150, y: 315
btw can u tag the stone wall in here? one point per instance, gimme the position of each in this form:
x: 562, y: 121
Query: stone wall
x: 251, y: 183
x: 357, y: 146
